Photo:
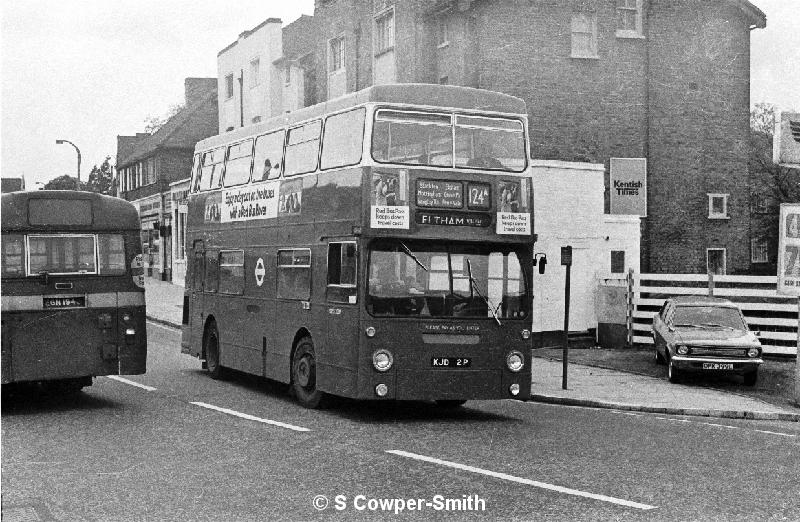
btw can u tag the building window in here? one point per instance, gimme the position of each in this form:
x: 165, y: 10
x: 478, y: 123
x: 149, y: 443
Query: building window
x: 442, y: 32
x: 444, y: 80
x: 617, y: 261
x: 336, y: 54
x: 715, y: 261
x: 384, y: 31
x: 229, y: 87
x: 758, y: 250
x: 718, y: 206
x: 629, y: 18
x: 584, y: 35
x: 759, y: 204
x: 255, y: 77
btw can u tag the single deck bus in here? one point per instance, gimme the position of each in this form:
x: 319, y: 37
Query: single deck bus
x: 72, y: 288
x: 375, y: 246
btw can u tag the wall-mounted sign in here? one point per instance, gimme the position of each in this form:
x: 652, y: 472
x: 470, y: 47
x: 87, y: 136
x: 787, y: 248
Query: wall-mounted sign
x: 440, y: 194
x: 789, y: 250
x: 629, y: 186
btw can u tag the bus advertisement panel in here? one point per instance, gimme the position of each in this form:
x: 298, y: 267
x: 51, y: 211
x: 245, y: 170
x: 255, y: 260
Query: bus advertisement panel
x: 72, y: 288
x: 374, y: 247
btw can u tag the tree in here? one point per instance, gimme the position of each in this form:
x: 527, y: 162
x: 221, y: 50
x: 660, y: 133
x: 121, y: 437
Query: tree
x: 64, y: 182
x: 154, y: 123
x: 101, y: 179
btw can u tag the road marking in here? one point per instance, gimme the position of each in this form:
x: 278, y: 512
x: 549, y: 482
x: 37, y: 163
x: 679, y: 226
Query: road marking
x: 250, y: 417
x: 528, y: 482
x: 715, y: 424
x: 132, y: 383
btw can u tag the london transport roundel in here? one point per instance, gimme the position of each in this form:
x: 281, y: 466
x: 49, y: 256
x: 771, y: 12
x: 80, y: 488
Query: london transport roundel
x: 260, y: 272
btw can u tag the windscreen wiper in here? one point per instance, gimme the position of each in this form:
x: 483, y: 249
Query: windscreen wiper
x: 474, y: 286
x: 412, y: 256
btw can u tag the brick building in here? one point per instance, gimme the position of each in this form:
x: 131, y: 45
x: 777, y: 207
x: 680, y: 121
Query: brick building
x: 148, y: 164
x: 663, y: 80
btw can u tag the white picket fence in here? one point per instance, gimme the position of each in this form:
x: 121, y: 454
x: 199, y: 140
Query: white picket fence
x: 774, y: 316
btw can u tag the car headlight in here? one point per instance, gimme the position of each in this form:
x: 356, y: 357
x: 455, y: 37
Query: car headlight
x: 753, y: 352
x: 515, y: 361
x: 382, y: 360
x: 682, y: 349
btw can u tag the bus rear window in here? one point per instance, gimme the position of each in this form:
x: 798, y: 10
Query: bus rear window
x: 62, y: 254
x: 112, y: 254
x: 54, y: 211
x: 13, y: 256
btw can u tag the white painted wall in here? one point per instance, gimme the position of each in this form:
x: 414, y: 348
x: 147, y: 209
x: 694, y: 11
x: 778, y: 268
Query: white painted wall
x: 261, y: 98
x: 568, y: 210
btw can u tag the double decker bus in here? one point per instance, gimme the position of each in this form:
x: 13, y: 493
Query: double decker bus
x: 375, y: 246
x: 72, y: 288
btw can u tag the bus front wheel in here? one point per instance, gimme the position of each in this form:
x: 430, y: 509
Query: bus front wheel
x: 211, y: 350
x: 304, y: 375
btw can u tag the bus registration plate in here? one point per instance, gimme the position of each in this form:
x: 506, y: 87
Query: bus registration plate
x: 451, y: 362
x: 77, y: 301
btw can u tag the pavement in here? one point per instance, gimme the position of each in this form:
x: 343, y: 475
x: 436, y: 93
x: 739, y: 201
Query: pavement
x: 587, y: 385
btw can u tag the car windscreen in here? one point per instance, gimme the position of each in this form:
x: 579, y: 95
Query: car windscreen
x: 708, y: 316
x: 419, y: 278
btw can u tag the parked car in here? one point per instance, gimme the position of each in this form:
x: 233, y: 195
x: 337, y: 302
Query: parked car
x: 705, y: 335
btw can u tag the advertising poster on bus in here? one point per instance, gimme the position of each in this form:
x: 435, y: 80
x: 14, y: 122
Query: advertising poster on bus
x: 789, y: 250
x: 389, y: 208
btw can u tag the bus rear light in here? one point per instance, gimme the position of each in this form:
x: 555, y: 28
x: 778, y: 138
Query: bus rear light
x: 514, y: 389
x: 526, y: 334
x: 126, y: 317
x: 515, y: 361
x: 382, y: 360
x: 381, y: 390
x: 370, y: 331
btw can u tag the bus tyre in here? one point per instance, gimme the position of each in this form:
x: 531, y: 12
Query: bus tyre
x: 450, y: 404
x: 304, y: 376
x: 211, y: 350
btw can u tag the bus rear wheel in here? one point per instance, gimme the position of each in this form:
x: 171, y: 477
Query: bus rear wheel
x: 304, y: 376
x: 211, y: 350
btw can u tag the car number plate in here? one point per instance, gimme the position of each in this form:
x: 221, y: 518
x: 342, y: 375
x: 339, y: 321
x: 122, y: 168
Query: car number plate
x: 718, y: 366
x: 451, y: 362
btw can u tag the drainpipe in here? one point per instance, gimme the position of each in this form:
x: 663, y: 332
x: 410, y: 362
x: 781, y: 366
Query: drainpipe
x: 241, y: 98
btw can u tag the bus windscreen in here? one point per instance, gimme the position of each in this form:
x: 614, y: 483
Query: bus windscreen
x: 457, y: 280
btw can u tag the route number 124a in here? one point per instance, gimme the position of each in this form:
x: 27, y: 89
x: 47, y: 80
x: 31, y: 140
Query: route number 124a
x: 479, y: 196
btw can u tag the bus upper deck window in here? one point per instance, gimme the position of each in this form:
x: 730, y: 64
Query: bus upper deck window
x: 238, y: 164
x: 211, y: 170
x: 343, y: 139
x: 490, y: 143
x: 268, y: 156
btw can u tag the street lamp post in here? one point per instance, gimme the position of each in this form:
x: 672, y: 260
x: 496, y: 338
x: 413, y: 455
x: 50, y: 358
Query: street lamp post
x: 59, y: 142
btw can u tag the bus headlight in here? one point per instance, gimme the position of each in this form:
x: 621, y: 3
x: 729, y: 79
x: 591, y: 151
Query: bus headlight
x: 526, y: 334
x: 514, y: 389
x: 382, y: 360
x: 515, y: 361
x: 130, y: 331
x: 683, y: 349
x: 381, y: 390
x: 370, y: 331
